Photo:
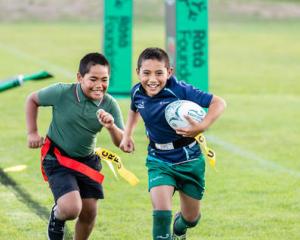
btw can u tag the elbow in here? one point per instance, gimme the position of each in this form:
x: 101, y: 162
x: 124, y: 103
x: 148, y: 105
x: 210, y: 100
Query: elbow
x: 219, y: 103
x: 223, y: 104
x: 117, y: 143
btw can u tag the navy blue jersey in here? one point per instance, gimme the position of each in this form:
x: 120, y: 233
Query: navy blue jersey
x: 152, y: 110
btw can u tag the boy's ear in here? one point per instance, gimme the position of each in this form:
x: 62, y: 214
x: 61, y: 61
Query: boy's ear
x: 79, y: 77
x: 137, y: 71
x: 170, y: 71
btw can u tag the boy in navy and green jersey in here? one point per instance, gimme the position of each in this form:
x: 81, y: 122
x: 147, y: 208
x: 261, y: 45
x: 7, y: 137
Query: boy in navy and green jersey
x: 79, y: 111
x: 174, y: 160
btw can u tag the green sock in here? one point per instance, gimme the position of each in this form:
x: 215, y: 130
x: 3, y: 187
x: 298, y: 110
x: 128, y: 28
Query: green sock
x: 181, y: 225
x: 162, y: 224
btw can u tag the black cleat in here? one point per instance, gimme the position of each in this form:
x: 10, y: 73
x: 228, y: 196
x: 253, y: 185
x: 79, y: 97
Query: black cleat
x: 174, y: 235
x: 55, y: 227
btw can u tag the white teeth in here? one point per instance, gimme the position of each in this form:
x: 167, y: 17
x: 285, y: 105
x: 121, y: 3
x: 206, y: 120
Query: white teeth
x: 152, y: 85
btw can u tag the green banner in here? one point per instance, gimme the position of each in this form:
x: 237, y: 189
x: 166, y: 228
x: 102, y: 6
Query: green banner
x: 191, y: 42
x: 118, y: 44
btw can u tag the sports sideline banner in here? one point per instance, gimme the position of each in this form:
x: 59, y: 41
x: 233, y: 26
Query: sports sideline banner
x: 187, y: 41
x: 117, y: 44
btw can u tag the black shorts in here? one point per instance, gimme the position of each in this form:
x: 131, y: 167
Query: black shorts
x: 63, y: 180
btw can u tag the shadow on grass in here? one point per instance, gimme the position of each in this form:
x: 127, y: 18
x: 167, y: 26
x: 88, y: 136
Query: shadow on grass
x: 25, y: 198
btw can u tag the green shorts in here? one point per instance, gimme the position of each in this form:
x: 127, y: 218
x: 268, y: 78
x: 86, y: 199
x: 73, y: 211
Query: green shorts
x: 188, y: 177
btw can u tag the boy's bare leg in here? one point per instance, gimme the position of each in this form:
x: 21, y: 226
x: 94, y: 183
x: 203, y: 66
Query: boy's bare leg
x: 161, y: 197
x: 86, y: 219
x: 69, y: 206
x: 187, y: 218
x: 190, y: 207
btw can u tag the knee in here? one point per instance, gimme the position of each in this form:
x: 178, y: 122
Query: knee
x: 192, y: 217
x: 69, y: 211
x: 162, y: 205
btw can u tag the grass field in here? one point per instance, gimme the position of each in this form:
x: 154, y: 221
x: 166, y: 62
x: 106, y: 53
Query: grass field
x: 255, y: 194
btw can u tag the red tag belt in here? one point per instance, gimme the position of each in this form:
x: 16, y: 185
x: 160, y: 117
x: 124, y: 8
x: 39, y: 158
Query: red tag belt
x: 69, y: 163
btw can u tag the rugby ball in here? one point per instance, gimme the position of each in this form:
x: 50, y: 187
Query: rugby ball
x: 175, y: 112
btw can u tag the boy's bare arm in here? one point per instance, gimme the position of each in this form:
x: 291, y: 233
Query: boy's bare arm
x: 116, y: 134
x: 33, y: 138
x: 132, y: 120
x: 215, y: 109
x: 127, y: 143
x: 107, y: 120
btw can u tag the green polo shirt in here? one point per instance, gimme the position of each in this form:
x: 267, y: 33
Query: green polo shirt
x: 74, y: 122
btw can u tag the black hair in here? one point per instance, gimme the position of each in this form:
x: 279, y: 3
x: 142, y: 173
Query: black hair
x: 92, y: 59
x: 154, y: 53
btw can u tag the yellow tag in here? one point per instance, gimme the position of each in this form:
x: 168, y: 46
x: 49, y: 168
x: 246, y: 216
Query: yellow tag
x: 208, y: 152
x: 111, y: 167
x: 114, y: 158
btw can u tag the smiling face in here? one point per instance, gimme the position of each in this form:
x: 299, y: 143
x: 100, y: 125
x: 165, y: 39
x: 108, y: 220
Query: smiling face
x: 153, y: 75
x: 94, y: 83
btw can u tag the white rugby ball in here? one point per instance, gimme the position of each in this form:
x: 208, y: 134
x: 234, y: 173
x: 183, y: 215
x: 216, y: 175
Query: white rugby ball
x: 175, y: 112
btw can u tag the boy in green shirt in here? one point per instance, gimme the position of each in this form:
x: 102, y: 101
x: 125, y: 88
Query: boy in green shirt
x: 79, y: 111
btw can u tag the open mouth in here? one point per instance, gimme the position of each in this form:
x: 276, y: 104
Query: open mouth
x: 97, y: 92
x: 153, y: 86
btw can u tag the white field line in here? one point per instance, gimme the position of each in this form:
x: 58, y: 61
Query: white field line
x: 43, y: 63
x: 252, y: 156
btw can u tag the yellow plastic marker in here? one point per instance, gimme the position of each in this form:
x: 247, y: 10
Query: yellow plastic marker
x: 17, y: 168
x: 107, y: 155
x: 208, y: 152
